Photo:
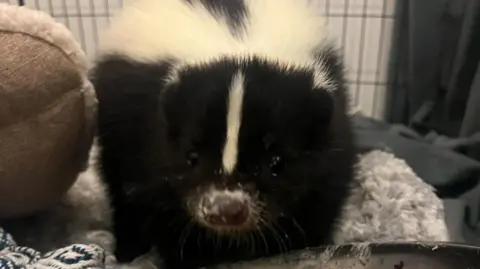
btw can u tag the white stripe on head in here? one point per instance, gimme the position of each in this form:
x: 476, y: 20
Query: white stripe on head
x: 234, y: 118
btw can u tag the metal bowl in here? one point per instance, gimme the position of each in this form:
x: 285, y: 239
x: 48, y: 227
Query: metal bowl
x: 375, y: 256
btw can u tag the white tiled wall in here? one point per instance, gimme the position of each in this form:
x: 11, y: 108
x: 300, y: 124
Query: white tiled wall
x: 361, y: 27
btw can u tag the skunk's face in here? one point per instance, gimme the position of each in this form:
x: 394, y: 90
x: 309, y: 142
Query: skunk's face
x: 247, y: 140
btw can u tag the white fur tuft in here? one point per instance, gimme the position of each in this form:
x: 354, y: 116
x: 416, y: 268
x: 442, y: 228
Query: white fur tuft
x: 283, y: 31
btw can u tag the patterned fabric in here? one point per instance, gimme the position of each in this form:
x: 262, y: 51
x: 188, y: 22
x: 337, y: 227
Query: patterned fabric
x: 76, y: 256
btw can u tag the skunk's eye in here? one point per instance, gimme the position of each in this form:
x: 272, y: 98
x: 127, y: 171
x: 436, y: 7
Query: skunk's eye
x: 192, y: 158
x: 277, y: 165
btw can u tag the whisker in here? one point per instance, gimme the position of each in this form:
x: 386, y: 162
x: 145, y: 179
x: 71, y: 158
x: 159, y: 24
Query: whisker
x: 299, y: 228
x: 252, y: 243
x: 199, y: 238
x: 275, y: 236
x: 262, y: 235
x: 184, y: 235
x: 286, y: 236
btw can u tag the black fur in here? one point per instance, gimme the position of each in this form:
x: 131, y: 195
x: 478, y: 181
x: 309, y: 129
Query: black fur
x: 147, y: 129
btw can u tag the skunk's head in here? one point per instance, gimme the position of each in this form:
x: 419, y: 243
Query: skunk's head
x: 237, y: 125
x: 248, y: 138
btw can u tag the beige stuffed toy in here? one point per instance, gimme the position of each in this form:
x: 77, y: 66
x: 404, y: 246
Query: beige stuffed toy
x: 46, y: 111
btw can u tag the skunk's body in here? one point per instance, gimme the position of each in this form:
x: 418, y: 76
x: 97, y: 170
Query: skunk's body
x: 223, y: 129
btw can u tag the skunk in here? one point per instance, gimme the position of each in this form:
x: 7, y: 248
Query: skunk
x: 223, y: 129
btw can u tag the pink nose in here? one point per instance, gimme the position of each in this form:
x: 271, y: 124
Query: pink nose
x: 225, y: 210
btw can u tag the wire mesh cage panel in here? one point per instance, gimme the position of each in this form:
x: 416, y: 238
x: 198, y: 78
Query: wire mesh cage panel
x: 362, y: 28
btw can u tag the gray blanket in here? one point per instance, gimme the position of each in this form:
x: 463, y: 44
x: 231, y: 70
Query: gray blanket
x: 451, y: 166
